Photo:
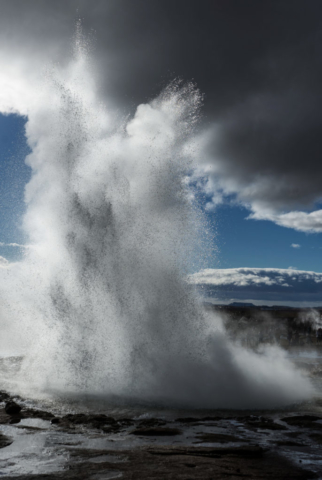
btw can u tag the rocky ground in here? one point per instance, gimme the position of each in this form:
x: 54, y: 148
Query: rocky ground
x: 36, y: 444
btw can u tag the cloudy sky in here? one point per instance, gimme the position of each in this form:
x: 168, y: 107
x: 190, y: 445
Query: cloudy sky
x: 259, y: 66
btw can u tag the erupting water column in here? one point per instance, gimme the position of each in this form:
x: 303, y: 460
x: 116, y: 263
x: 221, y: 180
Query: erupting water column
x: 103, y: 290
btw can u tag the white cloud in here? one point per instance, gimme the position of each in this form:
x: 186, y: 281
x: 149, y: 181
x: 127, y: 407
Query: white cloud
x: 260, y: 283
x: 301, y: 221
x: 295, y: 245
x: 250, y: 276
x: 2, y: 244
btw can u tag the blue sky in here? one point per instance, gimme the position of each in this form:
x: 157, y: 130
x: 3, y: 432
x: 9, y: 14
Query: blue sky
x: 260, y: 243
x: 14, y: 174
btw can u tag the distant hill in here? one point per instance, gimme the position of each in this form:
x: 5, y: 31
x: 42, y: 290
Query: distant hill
x: 244, y: 306
x: 241, y: 304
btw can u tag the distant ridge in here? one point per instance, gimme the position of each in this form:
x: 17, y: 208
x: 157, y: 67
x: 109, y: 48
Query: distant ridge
x: 258, y: 307
x: 241, y: 304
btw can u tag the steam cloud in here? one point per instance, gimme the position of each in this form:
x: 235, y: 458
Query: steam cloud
x: 100, y: 302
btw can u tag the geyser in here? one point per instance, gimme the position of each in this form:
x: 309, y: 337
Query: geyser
x: 101, y: 300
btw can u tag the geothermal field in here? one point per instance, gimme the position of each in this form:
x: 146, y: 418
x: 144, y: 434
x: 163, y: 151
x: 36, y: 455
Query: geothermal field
x: 112, y: 363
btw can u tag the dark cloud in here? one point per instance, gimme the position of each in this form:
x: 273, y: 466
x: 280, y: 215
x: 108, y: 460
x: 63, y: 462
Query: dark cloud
x: 258, y: 63
x: 230, y: 48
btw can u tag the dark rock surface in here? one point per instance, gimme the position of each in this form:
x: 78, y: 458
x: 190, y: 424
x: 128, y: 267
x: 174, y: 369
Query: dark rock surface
x: 188, y: 420
x: 316, y: 437
x: 5, y: 441
x: 217, y: 438
x: 33, y: 413
x: 288, y: 443
x: 257, y: 454
x: 12, y: 408
x: 12, y: 418
x: 152, y: 422
x: 97, y: 421
x: 156, y: 431
x: 262, y: 423
x: 4, y: 397
x: 307, y: 421
x: 179, y: 463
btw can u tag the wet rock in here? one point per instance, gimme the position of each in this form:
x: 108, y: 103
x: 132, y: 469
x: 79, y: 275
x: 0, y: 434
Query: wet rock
x: 187, y: 420
x: 82, y: 418
x: 293, y: 434
x: 308, y: 421
x: 99, y: 421
x: 33, y: 413
x: 5, y: 441
x: 5, y: 418
x: 152, y: 422
x: 126, y: 422
x: 199, y: 463
x: 211, y: 419
x: 110, y: 428
x: 4, y: 397
x: 14, y: 419
x: 8, y: 417
x: 198, y: 421
x: 262, y: 423
x: 251, y: 451
x: 270, y: 426
x: 288, y: 443
x: 317, y: 438
x: 156, y: 431
x: 12, y: 408
x: 30, y: 428
x: 218, y: 438
x: 169, y: 462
